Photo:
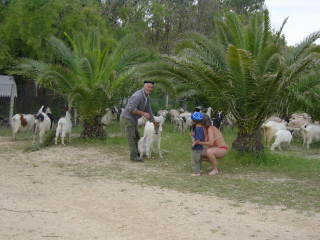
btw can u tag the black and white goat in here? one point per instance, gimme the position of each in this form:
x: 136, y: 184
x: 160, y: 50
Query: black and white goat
x: 43, y: 123
x: 216, y: 121
x: 111, y: 114
x: 64, y: 127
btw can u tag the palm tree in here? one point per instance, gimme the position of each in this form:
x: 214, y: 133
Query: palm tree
x: 91, y: 78
x: 243, y: 70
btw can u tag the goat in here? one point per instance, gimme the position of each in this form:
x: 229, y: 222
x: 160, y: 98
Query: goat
x: 181, y: 110
x: 186, y: 121
x: 160, y: 119
x: 298, y: 120
x: 218, y: 119
x: 228, y: 120
x: 47, y: 111
x: 207, y: 111
x: 274, y: 119
x: 173, y: 114
x: 142, y: 121
x: 144, y: 147
x: 282, y: 136
x: 22, y: 122
x: 178, y: 124
x: 270, y: 128
x: 163, y: 113
x: 152, y: 130
x: 296, y: 132
x: 111, y: 114
x: 64, y: 128
x: 310, y: 134
x: 43, y: 123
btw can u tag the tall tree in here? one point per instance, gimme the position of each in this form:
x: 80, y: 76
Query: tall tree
x: 90, y: 77
x: 244, y: 7
x: 27, y: 24
x: 242, y: 70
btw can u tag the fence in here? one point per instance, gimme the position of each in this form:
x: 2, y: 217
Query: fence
x: 29, y: 101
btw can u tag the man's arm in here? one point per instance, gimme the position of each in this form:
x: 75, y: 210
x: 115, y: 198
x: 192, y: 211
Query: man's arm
x: 141, y: 113
x: 149, y: 111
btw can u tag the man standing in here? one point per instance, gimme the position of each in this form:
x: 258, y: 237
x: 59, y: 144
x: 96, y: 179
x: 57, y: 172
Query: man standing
x: 138, y: 106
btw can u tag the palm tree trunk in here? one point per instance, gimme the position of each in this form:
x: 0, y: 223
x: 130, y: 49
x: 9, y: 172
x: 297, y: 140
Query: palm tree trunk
x: 249, y: 142
x: 93, y: 129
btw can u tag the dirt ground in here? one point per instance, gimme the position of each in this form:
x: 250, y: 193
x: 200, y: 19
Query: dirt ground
x: 41, y: 201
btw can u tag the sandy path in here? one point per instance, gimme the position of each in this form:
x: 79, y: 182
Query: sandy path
x: 39, y: 202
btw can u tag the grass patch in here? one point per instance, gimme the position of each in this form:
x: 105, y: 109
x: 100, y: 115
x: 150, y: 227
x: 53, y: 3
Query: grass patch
x: 8, y: 132
x: 48, y: 140
x: 275, y: 178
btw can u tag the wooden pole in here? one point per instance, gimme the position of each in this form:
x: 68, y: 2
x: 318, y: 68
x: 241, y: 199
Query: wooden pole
x: 11, y: 104
x: 167, y: 101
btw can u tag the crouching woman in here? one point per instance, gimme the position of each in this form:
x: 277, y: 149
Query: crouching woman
x: 216, y: 147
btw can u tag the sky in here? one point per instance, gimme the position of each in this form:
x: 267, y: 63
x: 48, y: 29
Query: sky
x: 304, y: 18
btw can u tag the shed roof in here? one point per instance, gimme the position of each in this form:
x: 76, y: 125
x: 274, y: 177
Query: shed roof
x: 5, y: 86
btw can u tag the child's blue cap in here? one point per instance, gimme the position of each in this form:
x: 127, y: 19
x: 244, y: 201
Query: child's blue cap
x: 197, y: 116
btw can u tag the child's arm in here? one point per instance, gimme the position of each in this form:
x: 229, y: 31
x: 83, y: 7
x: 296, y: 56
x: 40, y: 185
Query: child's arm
x: 195, y: 142
x: 196, y: 138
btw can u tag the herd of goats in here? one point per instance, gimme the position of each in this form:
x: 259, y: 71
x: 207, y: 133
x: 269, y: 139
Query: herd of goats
x: 299, y: 125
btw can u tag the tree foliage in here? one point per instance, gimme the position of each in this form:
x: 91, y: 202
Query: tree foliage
x: 241, y: 70
x: 27, y: 25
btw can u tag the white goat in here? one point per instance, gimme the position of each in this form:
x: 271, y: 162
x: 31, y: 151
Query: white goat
x: 163, y: 113
x: 208, y: 111
x: 310, y: 134
x: 178, y: 124
x: 270, y: 128
x: 174, y: 113
x: 274, y: 119
x: 64, y: 128
x: 181, y: 110
x: 144, y: 147
x: 298, y: 120
x: 152, y: 131
x: 111, y: 114
x: 142, y: 121
x: 282, y: 137
x: 160, y: 119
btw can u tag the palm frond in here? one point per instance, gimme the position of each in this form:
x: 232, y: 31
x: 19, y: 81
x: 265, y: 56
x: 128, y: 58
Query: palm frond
x: 304, y: 48
x: 65, y: 52
x: 278, y: 33
x: 237, y: 31
x: 258, y: 33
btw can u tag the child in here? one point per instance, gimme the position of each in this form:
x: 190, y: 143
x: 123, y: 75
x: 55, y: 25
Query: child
x: 198, y: 135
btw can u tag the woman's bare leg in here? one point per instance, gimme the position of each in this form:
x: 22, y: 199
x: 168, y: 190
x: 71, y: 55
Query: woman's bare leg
x: 211, y: 155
